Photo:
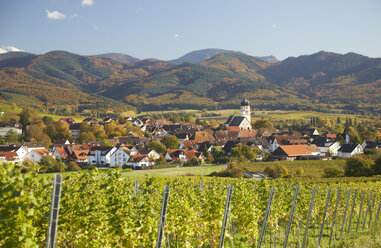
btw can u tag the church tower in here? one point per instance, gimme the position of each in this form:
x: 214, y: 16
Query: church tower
x: 245, y: 109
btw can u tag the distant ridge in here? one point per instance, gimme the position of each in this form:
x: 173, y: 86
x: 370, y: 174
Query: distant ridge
x: 200, y: 56
x: 120, y: 57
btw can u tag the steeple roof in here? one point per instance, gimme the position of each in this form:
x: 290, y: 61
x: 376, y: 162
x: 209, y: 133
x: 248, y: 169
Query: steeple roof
x: 245, y: 102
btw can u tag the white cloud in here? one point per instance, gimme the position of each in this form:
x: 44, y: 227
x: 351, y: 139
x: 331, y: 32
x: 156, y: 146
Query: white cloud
x: 176, y: 36
x: 139, y: 10
x: 74, y: 15
x: 87, y: 2
x: 274, y: 25
x: 5, y: 49
x: 55, y: 15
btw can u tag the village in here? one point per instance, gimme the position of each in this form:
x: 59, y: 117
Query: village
x: 181, y: 143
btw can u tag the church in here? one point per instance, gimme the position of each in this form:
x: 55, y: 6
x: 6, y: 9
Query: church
x: 243, y: 121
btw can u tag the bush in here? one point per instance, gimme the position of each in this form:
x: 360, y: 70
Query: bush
x: 73, y: 166
x: 330, y: 172
x: 299, y: 172
x: 281, y: 170
x: 49, y: 164
x: 232, y: 172
x: 377, y: 166
x: 359, y: 167
x: 271, y: 171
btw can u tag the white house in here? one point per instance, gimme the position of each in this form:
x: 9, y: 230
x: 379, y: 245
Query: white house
x: 36, y: 155
x: 5, y: 127
x: 332, y: 147
x: 140, y: 160
x: 100, y: 155
x: 151, y: 153
x: 75, y: 130
x: 11, y: 157
x: 349, y: 150
x: 121, y: 156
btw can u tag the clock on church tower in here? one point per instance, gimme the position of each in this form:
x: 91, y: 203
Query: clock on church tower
x: 245, y: 109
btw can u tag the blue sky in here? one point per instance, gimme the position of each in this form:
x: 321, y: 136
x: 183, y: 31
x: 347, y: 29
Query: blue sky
x: 167, y: 29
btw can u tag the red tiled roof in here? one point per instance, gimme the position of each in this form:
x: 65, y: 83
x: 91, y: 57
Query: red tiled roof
x: 296, y: 150
x: 9, y: 156
x: 42, y: 152
x: 140, y: 157
x: 61, y: 152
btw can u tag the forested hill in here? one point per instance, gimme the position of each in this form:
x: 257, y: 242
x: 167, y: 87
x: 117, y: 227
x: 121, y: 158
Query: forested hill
x: 311, y: 82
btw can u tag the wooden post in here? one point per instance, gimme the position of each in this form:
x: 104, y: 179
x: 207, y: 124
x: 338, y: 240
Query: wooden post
x: 345, y: 213
x: 325, y: 213
x: 226, y: 214
x: 353, y: 207
x: 334, y: 215
x: 263, y: 230
x: 163, y: 216
x: 367, y: 210
x: 54, y: 211
x: 291, y: 216
x: 359, y: 218
x: 136, y: 187
x: 309, y: 216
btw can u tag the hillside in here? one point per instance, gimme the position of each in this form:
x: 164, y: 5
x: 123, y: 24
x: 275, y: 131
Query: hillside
x: 309, y: 82
x: 205, y: 54
x: 120, y: 57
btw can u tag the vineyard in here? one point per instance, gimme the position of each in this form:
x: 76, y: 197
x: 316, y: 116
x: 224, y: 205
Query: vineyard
x: 99, y: 209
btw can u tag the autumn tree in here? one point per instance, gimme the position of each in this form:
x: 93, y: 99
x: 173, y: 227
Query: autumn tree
x: 158, y: 147
x: 171, y: 142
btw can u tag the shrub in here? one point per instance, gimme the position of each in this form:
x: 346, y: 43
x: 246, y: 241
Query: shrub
x: 377, y: 166
x: 330, y: 172
x: 299, y: 172
x: 281, y: 170
x: 359, y: 167
x: 229, y: 172
x: 73, y: 166
x: 271, y: 171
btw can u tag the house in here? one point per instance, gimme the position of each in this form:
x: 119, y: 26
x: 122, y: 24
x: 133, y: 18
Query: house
x: 182, y: 155
x: 5, y: 127
x: 79, y: 156
x: 60, y: 152
x: 151, y: 153
x: 62, y: 142
x: 75, y: 130
x: 140, y: 160
x: 11, y: 157
x: 36, y: 155
x: 100, y: 155
x: 91, y: 121
x: 21, y: 151
x: 107, y: 120
x: 121, y: 156
x: 187, y: 144
x: 277, y: 140
x: 67, y: 120
x: 369, y: 144
x: 29, y: 146
x: 294, y: 152
x: 349, y: 150
x: 331, y: 146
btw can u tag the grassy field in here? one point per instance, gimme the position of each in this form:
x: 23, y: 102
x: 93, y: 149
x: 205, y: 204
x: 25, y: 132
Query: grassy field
x: 311, y: 168
x: 174, y: 172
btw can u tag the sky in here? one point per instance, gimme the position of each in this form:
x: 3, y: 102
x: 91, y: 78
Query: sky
x: 168, y: 29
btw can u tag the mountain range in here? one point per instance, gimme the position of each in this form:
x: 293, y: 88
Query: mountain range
x: 209, y: 78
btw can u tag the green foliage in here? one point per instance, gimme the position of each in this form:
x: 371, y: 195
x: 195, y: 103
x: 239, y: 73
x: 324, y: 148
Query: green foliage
x: 243, y: 152
x: 158, y: 147
x: 23, y: 209
x: 377, y: 166
x: 271, y: 171
x: 299, y: 172
x: 171, y: 142
x: 73, y: 166
x: 359, y: 166
x: 11, y: 136
x: 49, y: 164
x: 331, y: 172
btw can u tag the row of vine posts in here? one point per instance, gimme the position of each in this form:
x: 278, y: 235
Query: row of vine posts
x: 349, y: 207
